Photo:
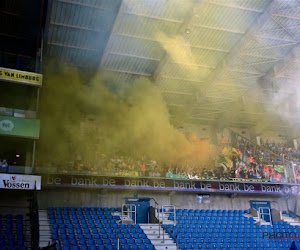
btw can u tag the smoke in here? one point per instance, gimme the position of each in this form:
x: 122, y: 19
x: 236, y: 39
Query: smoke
x: 101, y: 117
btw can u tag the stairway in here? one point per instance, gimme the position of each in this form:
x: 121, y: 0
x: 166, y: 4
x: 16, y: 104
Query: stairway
x: 45, y: 229
x: 258, y: 220
x: 290, y: 220
x: 160, y: 241
x: 124, y: 219
x: 164, y: 217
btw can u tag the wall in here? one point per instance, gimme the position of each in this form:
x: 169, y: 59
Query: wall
x: 113, y: 198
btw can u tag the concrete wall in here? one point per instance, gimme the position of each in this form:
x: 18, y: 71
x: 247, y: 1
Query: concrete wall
x: 113, y: 198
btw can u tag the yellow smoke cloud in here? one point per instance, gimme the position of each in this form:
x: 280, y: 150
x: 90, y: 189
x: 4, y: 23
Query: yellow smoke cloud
x: 103, y: 117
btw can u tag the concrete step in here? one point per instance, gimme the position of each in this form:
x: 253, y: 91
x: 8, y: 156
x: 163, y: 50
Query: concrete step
x: 44, y: 243
x: 152, y: 231
x: 164, y: 247
x: 45, y: 233
x: 45, y: 237
x: 45, y: 227
x: 162, y: 241
x: 295, y: 223
x: 168, y: 222
x: 149, y: 226
x: 44, y: 222
x: 265, y: 223
x: 156, y: 236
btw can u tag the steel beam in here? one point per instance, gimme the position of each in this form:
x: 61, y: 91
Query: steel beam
x: 152, y: 17
x: 177, y: 93
x: 16, y: 37
x: 181, y: 44
x: 274, y: 38
x: 72, y: 47
x: 131, y: 55
x: 93, y: 6
x: 233, y: 6
x: 290, y: 33
x: 181, y: 79
x: 75, y: 27
x: 218, y: 29
x: 126, y: 71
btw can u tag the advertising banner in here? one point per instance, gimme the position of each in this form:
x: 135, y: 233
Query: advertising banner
x: 29, y: 128
x: 24, y: 182
x: 167, y: 184
x: 22, y: 77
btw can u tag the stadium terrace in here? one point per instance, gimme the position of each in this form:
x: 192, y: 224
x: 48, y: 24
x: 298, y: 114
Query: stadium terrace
x: 149, y: 125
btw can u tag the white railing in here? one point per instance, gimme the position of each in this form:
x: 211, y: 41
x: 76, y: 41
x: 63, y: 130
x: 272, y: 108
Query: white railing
x: 262, y: 212
x: 130, y: 212
x: 168, y: 210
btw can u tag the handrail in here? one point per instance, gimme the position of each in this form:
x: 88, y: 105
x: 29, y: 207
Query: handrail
x: 253, y: 142
x: 285, y: 162
x: 170, y: 207
x: 262, y: 213
x: 131, y: 211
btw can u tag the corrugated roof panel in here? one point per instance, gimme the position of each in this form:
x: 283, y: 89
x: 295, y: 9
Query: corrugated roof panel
x: 224, y: 17
x: 255, y: 59
x: 245, y: 67
x: 206, y: 57
x: 262, y: 52
x: 76, y: 37
x: 173, y: 98
x: 260, y: 67
x: 166, y: 84
x: 127, y: 63
x: 292, y: 70
x: 279, y: 34
x: 185, y: 72
x: 134, y: 46
x: 250, y: 4
x: 268, y: 25
x: 144, y: 27
x: 82, y: 16
x: 121, y: 77
x: 266, y: 41
x: 295, y: 31
x: 279, y: 51
x: 292, y: 12
x: 286, y: 21
x: 226, y: 75
x: 159, y: 8
x: 212, y: 38
x: 105, y: 4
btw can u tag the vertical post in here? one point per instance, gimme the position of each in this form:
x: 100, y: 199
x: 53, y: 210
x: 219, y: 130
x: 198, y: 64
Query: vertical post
x: 33, y: 155
x: 294, y: 174
x: 158, y: 224
x: 118, y: 244
x: 41, y: 51
x: 37, y: 104
x: 245, y: 147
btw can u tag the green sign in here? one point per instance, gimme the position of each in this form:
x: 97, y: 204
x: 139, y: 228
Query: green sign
x: 29, y: 128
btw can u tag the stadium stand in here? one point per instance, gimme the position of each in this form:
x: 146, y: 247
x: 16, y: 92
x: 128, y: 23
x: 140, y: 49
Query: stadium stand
x: 11, y: 232
x: 227, y: 229
x: 94, y: 228
x: 98, y: 228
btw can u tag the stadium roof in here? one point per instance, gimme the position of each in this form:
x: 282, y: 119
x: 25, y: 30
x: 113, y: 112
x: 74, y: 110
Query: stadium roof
x: 21, y: 24
x: 217, y: 56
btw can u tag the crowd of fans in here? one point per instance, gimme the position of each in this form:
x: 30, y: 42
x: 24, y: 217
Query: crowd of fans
x: 245, y: 161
